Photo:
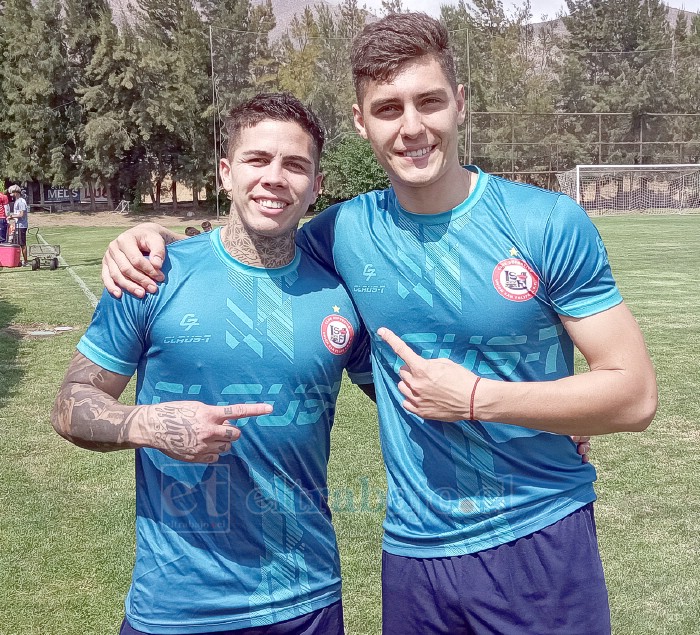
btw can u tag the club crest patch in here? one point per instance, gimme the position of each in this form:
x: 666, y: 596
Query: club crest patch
x: 515, y: 280
x: 337, y: 334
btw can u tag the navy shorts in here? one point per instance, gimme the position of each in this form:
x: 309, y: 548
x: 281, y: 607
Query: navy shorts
x: 21, y: 236
x: 548, y: 583
x: 325, y: 621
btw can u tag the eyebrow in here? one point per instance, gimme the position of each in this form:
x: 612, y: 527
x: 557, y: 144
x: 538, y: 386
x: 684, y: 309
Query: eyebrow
x: 251, y: 154
x: 437, y: 92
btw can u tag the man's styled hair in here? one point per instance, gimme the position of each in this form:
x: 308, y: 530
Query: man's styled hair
x: 383, y: 47
x: 278, y: 107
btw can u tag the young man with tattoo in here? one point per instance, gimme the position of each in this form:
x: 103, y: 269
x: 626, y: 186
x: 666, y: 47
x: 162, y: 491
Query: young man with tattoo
x: 233, y: 529
x: 489, y: 285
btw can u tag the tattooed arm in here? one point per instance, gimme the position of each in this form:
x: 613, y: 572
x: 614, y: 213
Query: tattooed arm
x: 86, y: 412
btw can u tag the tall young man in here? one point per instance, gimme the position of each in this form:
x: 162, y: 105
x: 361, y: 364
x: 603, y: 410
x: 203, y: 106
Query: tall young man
x: 480, y: 290
x: 231, y: 537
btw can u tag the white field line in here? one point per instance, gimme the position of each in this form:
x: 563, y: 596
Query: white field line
x: 81, y: 283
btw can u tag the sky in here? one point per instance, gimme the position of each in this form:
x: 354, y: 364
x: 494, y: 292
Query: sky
x: 539, y: 7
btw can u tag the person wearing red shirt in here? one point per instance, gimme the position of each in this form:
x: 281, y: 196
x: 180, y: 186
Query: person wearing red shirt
x: 4, y: 209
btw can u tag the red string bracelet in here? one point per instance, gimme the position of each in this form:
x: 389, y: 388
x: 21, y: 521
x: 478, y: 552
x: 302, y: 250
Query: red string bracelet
x: 471, y: 401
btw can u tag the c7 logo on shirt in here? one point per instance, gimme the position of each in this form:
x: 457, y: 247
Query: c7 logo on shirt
x: 515, y: 280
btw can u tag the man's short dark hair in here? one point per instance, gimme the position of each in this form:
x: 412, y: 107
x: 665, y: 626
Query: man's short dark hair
x: 278, y: 107
x: 384, y: 47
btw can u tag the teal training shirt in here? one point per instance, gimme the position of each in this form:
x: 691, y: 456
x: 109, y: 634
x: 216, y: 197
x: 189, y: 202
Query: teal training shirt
x: 483, y: 285
x: 246, y: 541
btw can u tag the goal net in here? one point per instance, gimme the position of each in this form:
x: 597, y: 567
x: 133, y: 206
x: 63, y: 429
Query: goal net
x: 625, y: 189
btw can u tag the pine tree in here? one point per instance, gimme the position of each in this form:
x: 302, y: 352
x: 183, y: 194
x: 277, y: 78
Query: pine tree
x: 109, y: 135
x: 175, y: 94
x: 263, y: 67
x: 299, y: 50
x: 36, y: 91
x: 617, y: 59
x: 83, y: 31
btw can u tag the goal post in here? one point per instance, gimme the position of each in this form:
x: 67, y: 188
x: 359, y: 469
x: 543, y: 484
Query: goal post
x: 629, y: 189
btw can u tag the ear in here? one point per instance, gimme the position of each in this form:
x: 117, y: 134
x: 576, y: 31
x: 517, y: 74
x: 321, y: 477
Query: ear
x: 318, y: 186
x: 461, y: 104
x: 359, y: 120
x: 225, y: 174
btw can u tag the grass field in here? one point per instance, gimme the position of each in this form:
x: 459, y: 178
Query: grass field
x: 66, y: 515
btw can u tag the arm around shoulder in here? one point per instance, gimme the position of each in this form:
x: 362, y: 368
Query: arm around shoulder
x: 125, y: 265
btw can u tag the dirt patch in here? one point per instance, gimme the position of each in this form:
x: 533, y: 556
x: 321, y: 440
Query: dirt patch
x: 35, y: 330
x: 113, y: 219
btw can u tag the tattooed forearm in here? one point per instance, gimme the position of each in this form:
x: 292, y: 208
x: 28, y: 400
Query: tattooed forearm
x: 87, y: 413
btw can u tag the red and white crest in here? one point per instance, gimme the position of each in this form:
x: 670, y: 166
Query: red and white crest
x: 515, y: 280
x: 337, y: 334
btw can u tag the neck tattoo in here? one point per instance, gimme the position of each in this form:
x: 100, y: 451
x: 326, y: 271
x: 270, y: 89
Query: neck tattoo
x: 255, y: 250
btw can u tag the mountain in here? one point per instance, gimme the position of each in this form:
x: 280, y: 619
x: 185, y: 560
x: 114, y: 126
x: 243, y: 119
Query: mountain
x: 285, y: 10
x: 559, y: 28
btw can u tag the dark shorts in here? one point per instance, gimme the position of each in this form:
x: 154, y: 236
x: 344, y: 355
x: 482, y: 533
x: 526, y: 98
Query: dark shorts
x: 325, y: 621
x: 550, y: 582
x: 3, y: 230
x: 21, y: 236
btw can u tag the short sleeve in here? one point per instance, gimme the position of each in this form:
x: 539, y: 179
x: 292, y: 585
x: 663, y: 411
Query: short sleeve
x: 576, y: 270
x: 115, y: 339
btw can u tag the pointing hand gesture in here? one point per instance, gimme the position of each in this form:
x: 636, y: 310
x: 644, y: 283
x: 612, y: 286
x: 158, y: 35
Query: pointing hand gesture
x: 434, y: 388
x: 442, y: 390
x: 195, y: 432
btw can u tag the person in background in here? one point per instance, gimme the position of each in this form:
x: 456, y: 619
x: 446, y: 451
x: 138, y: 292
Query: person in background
x: 20, y: 214
x: 4, y: 211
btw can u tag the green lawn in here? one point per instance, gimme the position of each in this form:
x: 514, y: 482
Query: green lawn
x: 66, y: 530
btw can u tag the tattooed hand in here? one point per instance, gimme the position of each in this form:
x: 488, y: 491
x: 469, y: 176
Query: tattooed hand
x: 193, y: 431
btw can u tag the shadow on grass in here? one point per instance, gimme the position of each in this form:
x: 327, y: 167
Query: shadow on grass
x: 9, y: 351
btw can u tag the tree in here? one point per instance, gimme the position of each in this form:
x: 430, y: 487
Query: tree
x: 263, y: 65
x: 109, y: 136
x: 615, y: 59
x: 500, y: 61
x: 314, y: 62
x: 300, y: 49
x: 36, y: 89
x: 174, y: 110
x: 83, y: 30
x: 392, y: 6
x: 350, y: 168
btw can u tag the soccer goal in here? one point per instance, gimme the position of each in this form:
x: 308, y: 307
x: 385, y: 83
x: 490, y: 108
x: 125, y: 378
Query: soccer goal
x: 626, y: 189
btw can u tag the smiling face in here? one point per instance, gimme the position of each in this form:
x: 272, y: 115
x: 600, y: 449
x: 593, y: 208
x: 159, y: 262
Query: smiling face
x: 412, y: 124
x: 271, y: 177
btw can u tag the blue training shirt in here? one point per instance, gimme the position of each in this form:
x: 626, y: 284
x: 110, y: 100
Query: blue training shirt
x: 246, y: 541
x: 482, y: 284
